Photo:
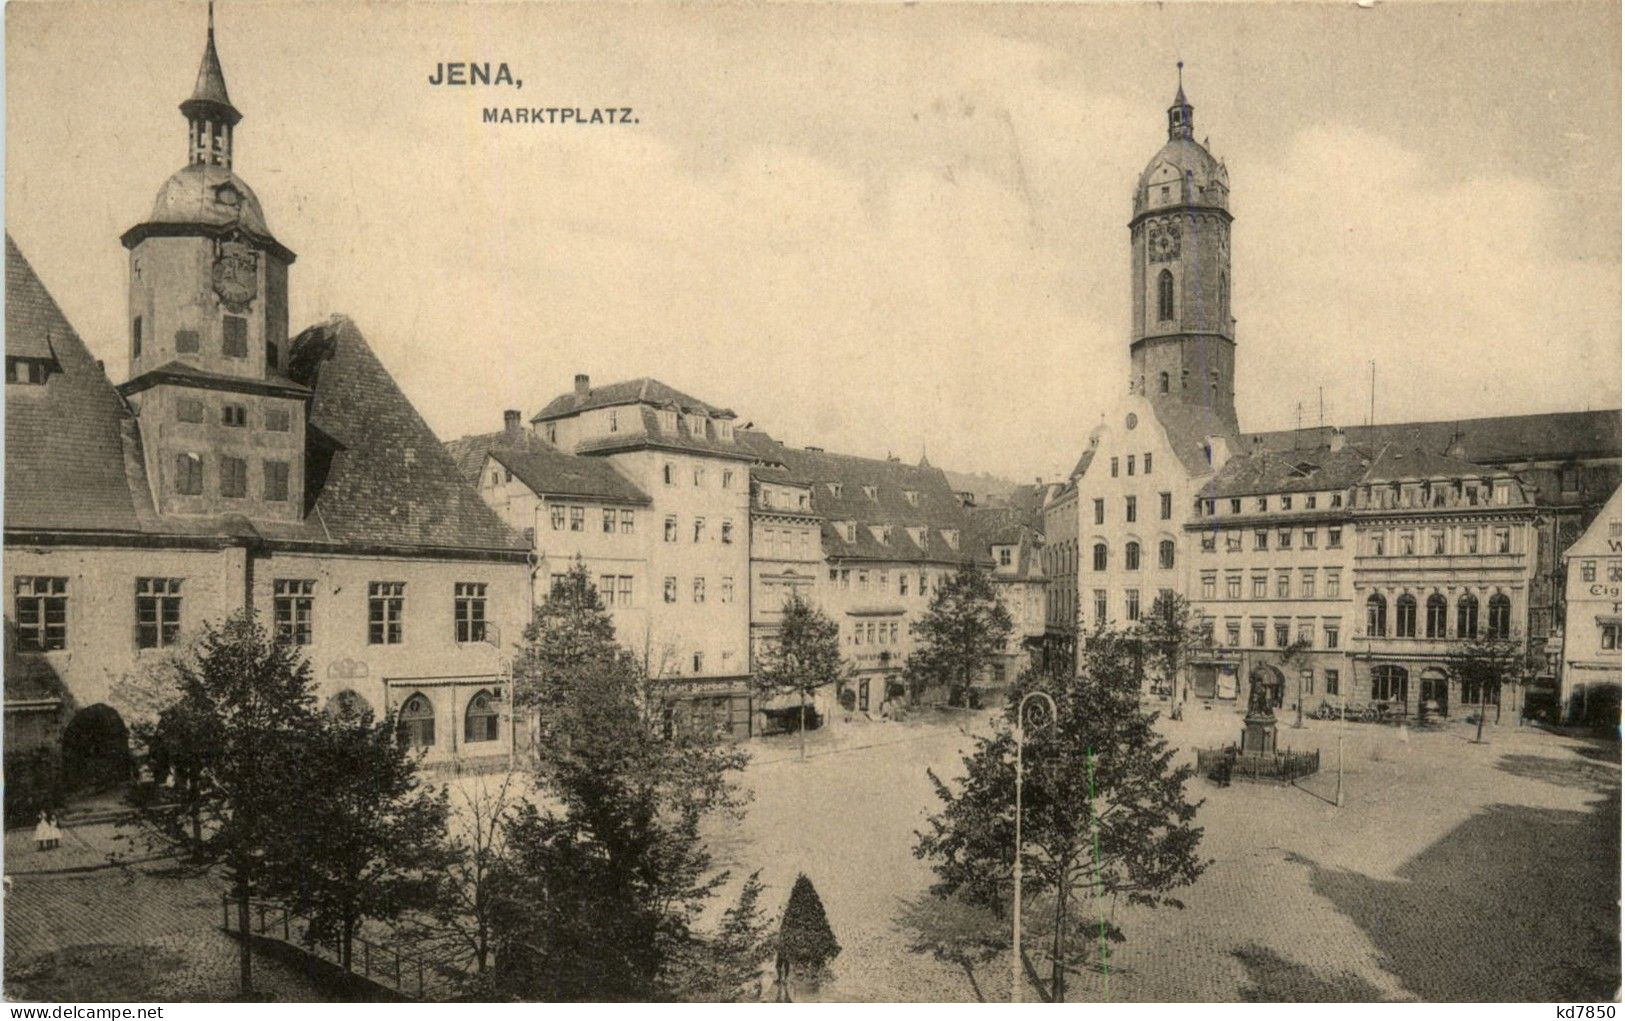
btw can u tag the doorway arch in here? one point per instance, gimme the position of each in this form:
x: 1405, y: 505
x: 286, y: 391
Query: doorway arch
x: 96, y: 749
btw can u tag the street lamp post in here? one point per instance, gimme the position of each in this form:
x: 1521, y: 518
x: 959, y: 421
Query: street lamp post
x: 1015, y: 914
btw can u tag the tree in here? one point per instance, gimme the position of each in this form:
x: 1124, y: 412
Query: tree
x: 727, y: 967
x: 806, y: 942
x: 602, y: 887
x: 1292, y: 658
x: 958, y: 635
x: 1168, y: 635
x: 362, y: 837
x: 1104, y: 808
x: 804, y: 656
x: 240, y: 712
x: 1485, y: 663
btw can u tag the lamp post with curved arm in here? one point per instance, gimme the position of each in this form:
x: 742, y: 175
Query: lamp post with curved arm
x: 1015, y: 914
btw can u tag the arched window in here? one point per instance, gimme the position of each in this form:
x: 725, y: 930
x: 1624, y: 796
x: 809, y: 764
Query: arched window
x: 1388, y: 683
x: 1376, y: 616
x: 1131, y: 556
x: 1162, y: 382
x: 1405, y: 617
x: 348, y: 705
x: 1500, y: 616
x: 1165, y: 295
x: 1467, y: 616
x: 1437, y: 612
x: 1100, y: 556
x: 1165, y: 554
x: 480, y: 719
x: 414, y: 725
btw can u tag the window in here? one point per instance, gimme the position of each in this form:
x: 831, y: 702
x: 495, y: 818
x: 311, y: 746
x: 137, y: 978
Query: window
x: 27, y: 370
x: 1436, y: 542
x: 233, y: 477
x: 42, y: 613
x: 1165, y: 554
x: 1232, y: 633
x: 469, y: 610
x: 1263, y: 504
x: 1004, y: 556
x: 668, y: 473
x: 1099, y: 558
x: 614, y: 420
x: 276, y: 481
x: 1613, y: 570
x: 1405, y: 616
x: 1307, y: 681
x: 1210, y: 585
x: 1162, y: 382
x: 1130, y: 504
x: 1378, y: 544
x: 1283, y: 584
x: 1148, y: 463
x: 271, y: 354
x: 902, y: 584
x: 1235, y: 506
x: 609, y: 520
x: 727, y: 590
x: 278, y: 420
x: 1388, y: 683
x: 292, y: 600
x: 1334, y: 536
x: 626, y: 522
x: 1131, y: 464
x: 1286, y: 503
x: 157, y: 612
x: 1114, y: 467
x: 1467, y: 616
x: 1309, y: 537
x: 1232, y: 542
x: 480, y: 719
x: 699, y: 476
x: 1469, y: 540
x: 1165, y: 501
x: 1332, y: 633
x: 606, y: 589
x: 189, y: 409
x: 1261, y: 539
x: 671, y: 528
x: 1333, y: 681
x: 414, y: 725
x: 1334, y: 583
x: 1132, y: 604
x: 1503, y: 540
x: 1437, y: 612
x: 1165, y: 296
x: 135, y: 337
x: 727, y: 532
x: 386, y: 601
x: 1588, y: 570
x: 1306, y: 583
x: 1609, y: 638
x: 1131, y: 557
x: 1283, y: 538
x: 671, y: 590
x: 234, y: 415
x: 727, y: 480
x: 1232, y: 586
x: 699, y: 590
x: 234, y: 331
x: 1258, y: 634
x: 1100, y: 511
x: 188, y: 474
x: 578, y: 519
x: 1500, y: 616
x: 1100, y: 606
x: 699, y: 529
x: 1570, y: 478
x: 1376, y: 616
x: 1210, y: 542
x: 556, y: 516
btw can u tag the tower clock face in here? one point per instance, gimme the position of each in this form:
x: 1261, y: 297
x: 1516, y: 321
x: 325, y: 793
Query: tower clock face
x: 1163, y: 241
x: 236, y: 275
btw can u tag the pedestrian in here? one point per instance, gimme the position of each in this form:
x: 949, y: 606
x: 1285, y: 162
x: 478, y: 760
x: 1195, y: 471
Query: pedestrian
x: 42, y: 832
x: 53, y: 836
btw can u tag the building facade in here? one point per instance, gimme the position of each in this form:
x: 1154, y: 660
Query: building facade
x: 237, y: 471
x: 1589, y: 691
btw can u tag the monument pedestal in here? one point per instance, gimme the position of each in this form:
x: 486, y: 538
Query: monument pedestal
x: 1258, y: 734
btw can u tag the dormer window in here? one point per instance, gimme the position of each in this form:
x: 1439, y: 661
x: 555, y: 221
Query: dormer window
x: 951, y: 537
x: 725, y: 430
x: 668, y: 421
x: 849, y: 531
x: 912, y: 496
x: 696, y: 425
x: 871, y: 492
x: 614, y: 420
x: 27, y: 370
x: 835, y: 490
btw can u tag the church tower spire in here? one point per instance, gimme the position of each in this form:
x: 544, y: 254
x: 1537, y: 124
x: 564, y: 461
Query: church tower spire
x: 1179, y: 115
x: 210, y: 117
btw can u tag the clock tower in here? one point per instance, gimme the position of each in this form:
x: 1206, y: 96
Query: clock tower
x: 222, y: 427
x: 1183, y: 336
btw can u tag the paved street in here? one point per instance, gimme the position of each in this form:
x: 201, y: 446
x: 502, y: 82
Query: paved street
x: 1455, y: 871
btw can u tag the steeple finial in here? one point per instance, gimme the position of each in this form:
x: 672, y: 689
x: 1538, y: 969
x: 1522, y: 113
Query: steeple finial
x: 209, y: 112
x: 1179, y: 115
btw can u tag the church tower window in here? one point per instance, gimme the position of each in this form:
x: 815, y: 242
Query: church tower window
x: 1165, y: 295
x: 1162, y: 382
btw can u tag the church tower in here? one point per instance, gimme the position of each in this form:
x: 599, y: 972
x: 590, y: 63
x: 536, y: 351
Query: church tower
x: 222, y: 427
x: 1183, y: 337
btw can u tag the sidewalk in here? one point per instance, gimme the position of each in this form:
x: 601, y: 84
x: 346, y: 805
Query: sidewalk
x: 854, y: 732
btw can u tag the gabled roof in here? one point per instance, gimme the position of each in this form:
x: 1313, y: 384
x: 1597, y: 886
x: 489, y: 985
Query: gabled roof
x: 1506, y: 439
x: 468, y: 453
x: 375, y: 472
x: 1290, y: 471
x: 1396, y: 462
x: 991, y: 527
x: 1188, y: 427
x: 65, y: 459
x: 552, y: 473
x: 190, y: 375
x: 633, y: 391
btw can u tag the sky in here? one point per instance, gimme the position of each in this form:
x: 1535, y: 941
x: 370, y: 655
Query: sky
x: 876, y: 229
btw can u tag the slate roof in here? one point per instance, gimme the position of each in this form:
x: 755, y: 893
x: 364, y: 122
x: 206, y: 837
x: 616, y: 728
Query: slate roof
x: 631, y: 391
x: 553, y: 473
x: 645, y: 431
x: 1395, y: 462
x: 468, y: 453
x: 375, y: 472
x: 1007, y: 526
x: 1188, y: 427
x: 1556, y: 436
x: 1291, y: 471
x: 65, y: 462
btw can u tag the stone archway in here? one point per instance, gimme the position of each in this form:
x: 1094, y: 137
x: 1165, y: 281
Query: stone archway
x: 96, y: 749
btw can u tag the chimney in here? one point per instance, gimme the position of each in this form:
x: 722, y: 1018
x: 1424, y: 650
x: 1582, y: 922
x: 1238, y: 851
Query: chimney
x: 1338, y: 440
x: 511, y: 429
x: 582, y: 387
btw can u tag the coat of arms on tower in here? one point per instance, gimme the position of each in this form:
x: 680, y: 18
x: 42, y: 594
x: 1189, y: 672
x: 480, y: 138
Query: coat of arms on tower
x: 236, y: 275
x: 1162, y: 241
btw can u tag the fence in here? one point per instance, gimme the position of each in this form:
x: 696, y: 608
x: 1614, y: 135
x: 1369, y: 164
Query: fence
x: 1229, y: 763
x: 406, y: 975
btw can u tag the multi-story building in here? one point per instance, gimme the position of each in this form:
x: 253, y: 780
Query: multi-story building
x: 1015, y: 550
x: 1271, y: 567
x: 786, y: 559
x: 1589, y: 685
x: 235, y: 471
x: 1061, y: 569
